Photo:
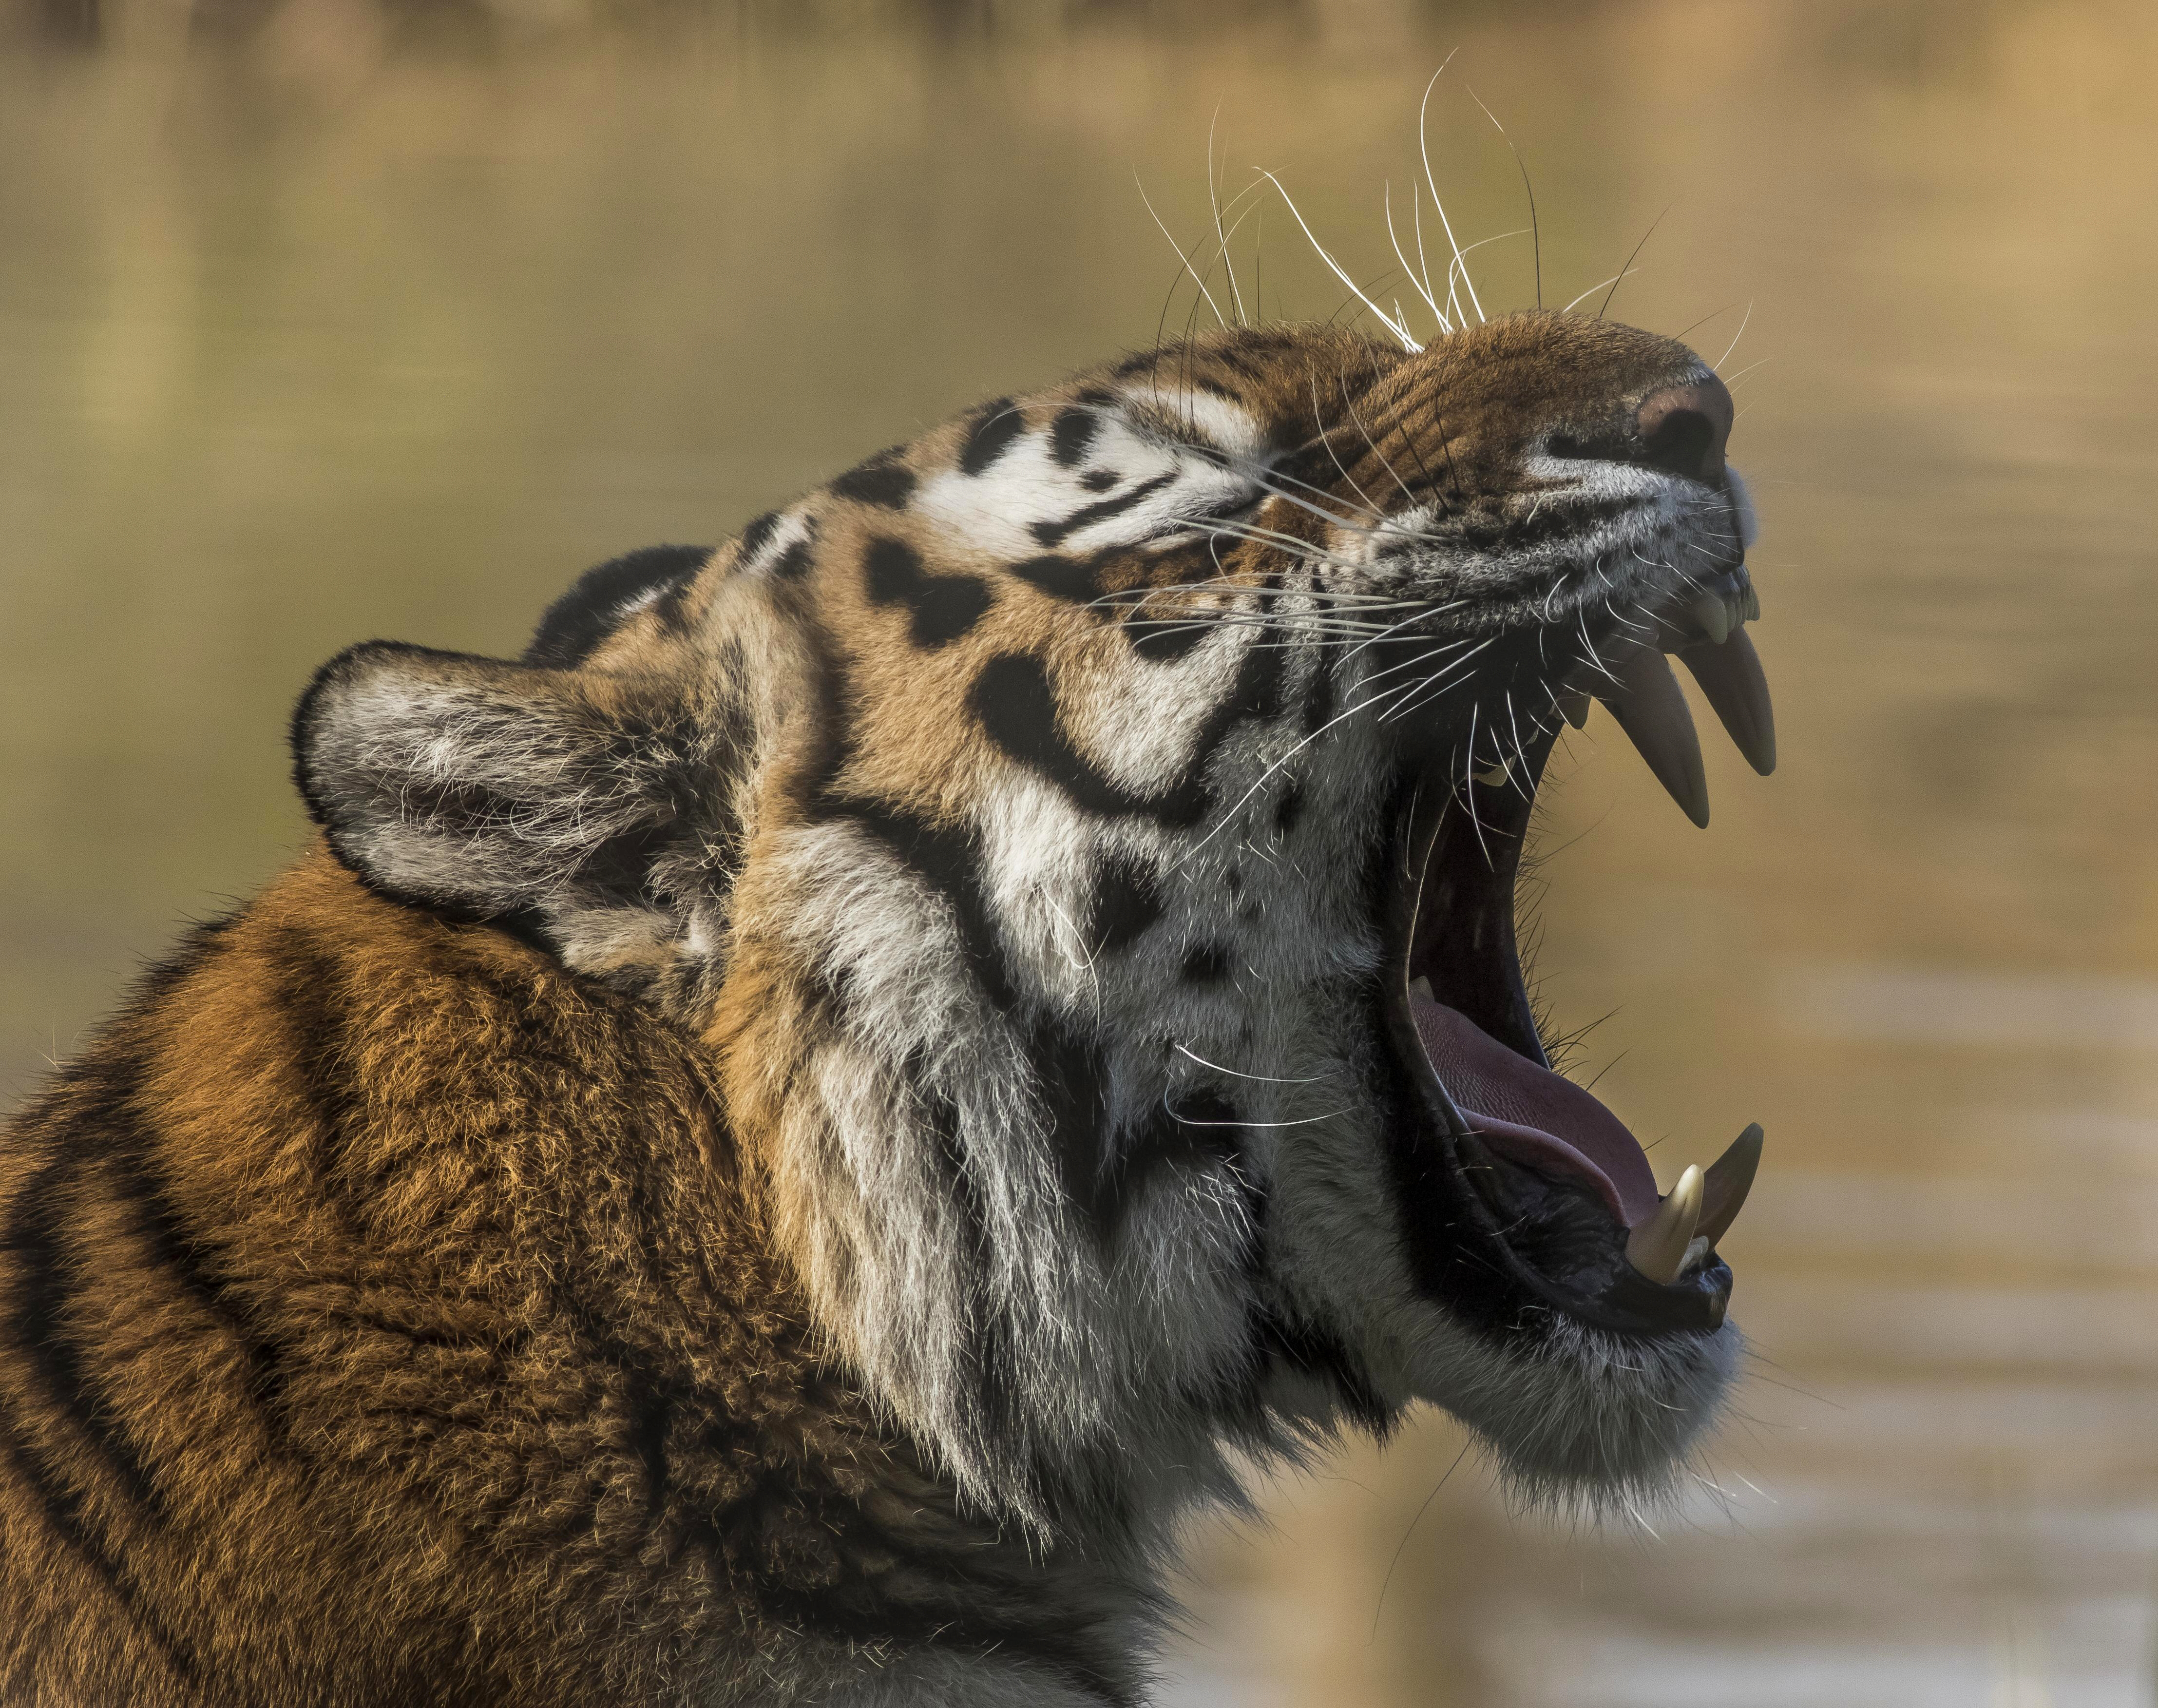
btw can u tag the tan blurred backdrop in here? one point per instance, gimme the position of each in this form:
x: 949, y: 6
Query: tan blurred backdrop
x: 322, y: 319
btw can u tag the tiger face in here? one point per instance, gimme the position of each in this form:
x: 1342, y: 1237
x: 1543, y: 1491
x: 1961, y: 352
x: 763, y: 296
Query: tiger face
x: 1087, y: 838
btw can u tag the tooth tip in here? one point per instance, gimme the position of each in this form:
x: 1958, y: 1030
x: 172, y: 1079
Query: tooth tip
x: 1729, y: 1179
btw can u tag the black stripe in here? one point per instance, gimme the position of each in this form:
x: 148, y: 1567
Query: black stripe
x: 577, y: 622
x: 941, y: 607
x: 1067, y: 1074
x: 1126, y: 900
x: 948, y: 861
x: 993, y: 1358
x: 1055, y: 533
x: 1206, y: 964
x: 1077, y: 579
x: 1016, y: 706
x: 883, y: 481
x: 1052, y: 1641
x: 757, y: 536
x: 1164, y: 640
x: 1319, y: 697
x: 1071, y: 432
x: 990, y: 434
x: 1201, y: 1130
x: 189, y: 1255
x: 65, y: 1511
x: 45, y: 1289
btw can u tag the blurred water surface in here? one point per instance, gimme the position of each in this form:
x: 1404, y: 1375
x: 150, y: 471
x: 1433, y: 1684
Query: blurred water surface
x: 322, y: 321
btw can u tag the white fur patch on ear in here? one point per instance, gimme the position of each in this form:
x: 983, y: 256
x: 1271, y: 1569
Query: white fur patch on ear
x: 471, y: 784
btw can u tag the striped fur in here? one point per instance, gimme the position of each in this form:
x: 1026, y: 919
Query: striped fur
x: 782, y: 1144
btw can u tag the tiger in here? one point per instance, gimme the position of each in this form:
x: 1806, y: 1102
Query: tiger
x: 786, y: 1145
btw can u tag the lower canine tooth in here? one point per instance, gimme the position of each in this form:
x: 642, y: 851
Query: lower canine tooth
x: 1657, y: 1247
x: 1493, y: 777
x: 1653, y: 713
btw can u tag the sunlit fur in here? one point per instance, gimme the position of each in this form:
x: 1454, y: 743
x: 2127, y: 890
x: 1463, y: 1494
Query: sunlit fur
x: 782, y: 1145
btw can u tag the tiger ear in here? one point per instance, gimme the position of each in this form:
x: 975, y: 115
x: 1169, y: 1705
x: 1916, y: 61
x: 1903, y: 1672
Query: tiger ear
x: 546, y: 798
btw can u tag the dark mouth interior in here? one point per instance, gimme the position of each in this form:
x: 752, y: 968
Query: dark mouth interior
x: 1553, y: 1179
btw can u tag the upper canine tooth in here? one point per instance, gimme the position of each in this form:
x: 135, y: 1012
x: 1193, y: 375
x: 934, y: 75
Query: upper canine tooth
x: 1712, y: 615
x: 1657, y: 1247
x: 1753, y: 606
x: 1494, y: 776
x: 1737, y: 690
x: 1653, y: 713
x: 1724, y: 1187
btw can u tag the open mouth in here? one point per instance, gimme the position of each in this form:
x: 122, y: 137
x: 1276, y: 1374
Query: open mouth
x: 1550, y: 1181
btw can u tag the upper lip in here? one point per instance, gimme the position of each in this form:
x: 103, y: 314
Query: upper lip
x: 1452, y: 923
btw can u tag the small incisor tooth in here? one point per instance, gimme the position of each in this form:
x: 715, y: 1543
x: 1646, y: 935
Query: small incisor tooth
x: 1724, y: 1187
x: 1573, y: 707
x: 1657, y: 1247
x: 1650, y: 710
x: 1713, y: 616
x: 1737, y: 688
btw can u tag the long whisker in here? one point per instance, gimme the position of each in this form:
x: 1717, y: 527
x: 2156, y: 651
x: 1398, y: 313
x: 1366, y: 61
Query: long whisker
x: 1423, y: 144
x: 1399, y: 331
x: 1735, y: 338
x: 1182, y: 255
x: 1629, y: 267
x: 1423, y: 288
x: 1612, y: 281
x: 1214, y: 199
x: 1536, y: 230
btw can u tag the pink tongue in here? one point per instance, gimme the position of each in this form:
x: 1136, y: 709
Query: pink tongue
x: 1533, y: 1115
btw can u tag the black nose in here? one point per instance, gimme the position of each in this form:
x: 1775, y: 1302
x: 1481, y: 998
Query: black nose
x: 1683, y: 429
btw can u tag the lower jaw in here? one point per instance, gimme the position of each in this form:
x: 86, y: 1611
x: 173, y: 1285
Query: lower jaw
x: 1463, y: 869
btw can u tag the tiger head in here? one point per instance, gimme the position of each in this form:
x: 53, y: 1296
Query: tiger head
x: 1087, y: 836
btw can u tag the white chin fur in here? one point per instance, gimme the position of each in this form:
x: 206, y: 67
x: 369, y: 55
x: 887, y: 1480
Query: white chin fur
x: 1598, y: 1425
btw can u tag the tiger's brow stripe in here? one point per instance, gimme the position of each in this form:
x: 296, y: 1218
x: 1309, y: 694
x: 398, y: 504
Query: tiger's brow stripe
x: 1053, y: 535
x: 1074, y: 430
x: 990, y: 432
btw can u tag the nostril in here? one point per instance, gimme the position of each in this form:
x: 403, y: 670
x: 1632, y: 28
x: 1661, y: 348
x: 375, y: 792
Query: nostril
x: 1680, y: 443
x: 1683, y: 429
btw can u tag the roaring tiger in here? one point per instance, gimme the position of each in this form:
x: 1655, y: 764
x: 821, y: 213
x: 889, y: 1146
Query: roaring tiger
x: 778, y: 1149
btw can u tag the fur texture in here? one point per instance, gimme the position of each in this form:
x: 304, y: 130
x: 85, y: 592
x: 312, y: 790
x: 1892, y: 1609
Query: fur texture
x: 784, y: 1143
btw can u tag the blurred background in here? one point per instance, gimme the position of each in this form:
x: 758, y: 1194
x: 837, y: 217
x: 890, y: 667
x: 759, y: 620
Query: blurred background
x: 322, y: 319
